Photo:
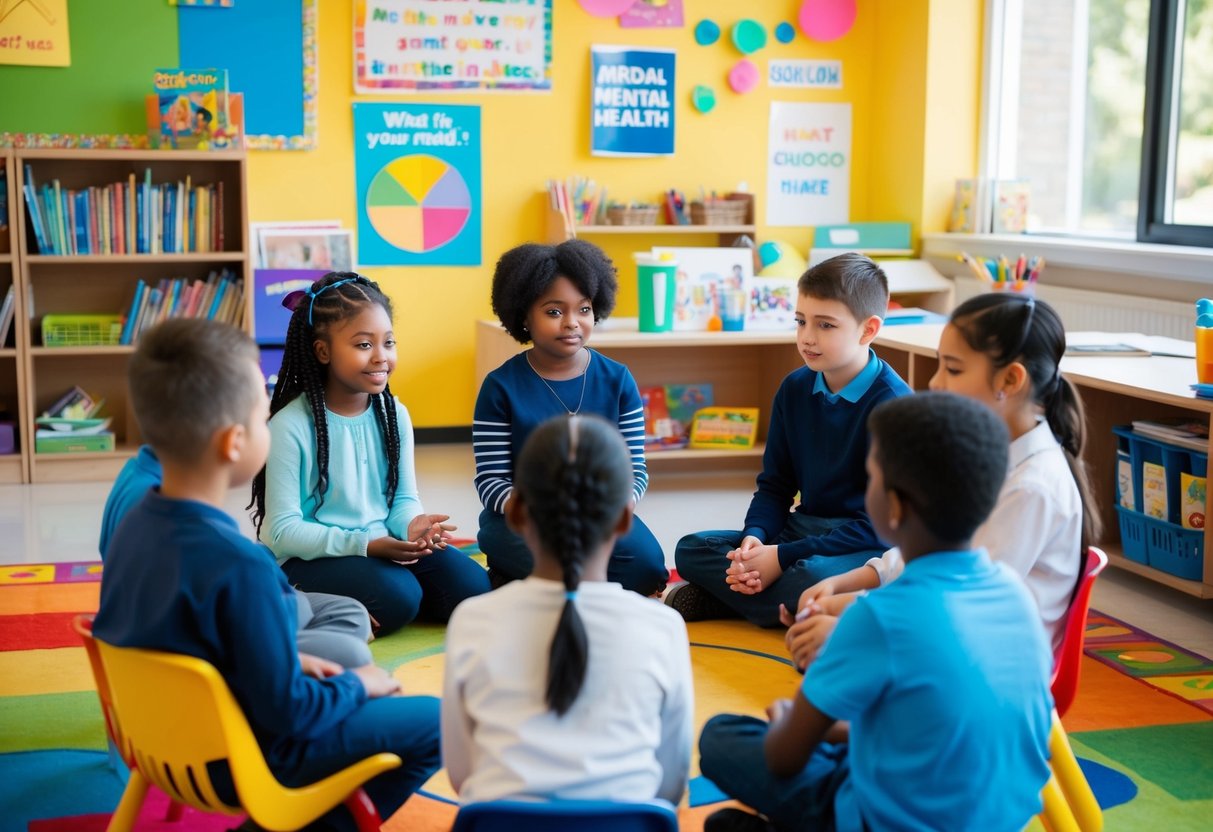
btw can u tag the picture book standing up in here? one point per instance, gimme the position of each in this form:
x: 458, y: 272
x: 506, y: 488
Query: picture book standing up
x: 193, y: 108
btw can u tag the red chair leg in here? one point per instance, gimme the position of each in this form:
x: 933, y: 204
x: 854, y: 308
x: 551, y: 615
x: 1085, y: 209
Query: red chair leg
x: 175, y: 811
x: 366, y: 816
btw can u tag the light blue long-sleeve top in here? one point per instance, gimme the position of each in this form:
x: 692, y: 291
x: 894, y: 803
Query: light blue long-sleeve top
x: 355, y: 509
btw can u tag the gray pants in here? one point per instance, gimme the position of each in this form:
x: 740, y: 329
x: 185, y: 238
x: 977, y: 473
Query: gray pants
x: 333, y: 627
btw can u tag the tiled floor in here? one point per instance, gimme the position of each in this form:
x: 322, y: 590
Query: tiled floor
x: 56, y: 523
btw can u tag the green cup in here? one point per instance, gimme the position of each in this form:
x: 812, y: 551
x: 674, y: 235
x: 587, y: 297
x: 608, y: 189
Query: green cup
x: 655, y: 278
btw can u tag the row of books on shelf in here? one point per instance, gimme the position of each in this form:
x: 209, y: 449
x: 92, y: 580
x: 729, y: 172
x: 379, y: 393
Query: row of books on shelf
x: 220, y: 297
x: 132, y: 217
x: 7, y: 313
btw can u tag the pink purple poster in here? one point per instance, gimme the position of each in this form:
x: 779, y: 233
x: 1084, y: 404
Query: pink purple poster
x: 653, y: 14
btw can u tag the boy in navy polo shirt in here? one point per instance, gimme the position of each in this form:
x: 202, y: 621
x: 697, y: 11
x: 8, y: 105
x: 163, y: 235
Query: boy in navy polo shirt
x: 948, y: 705
x: 816, y: 444
x: 180, y: 577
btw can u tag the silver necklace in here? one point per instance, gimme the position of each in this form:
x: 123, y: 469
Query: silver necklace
x: 585, y: 373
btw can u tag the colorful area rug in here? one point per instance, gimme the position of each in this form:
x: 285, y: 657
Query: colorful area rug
x: 1142, y: 724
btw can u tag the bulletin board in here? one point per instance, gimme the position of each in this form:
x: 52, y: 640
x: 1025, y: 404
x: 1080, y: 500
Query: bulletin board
x: 97, y: 101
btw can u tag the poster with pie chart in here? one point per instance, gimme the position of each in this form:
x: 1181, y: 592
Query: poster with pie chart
x: 418, y: 173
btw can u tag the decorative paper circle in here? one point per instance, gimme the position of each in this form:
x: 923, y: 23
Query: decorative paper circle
x: 743, y: 77
x: 706, y: 32
x: 785, y: 32
x: 826, y: 20
x: 418, y: 203
x: 605, y: 8
x: 703, y: 98
x: 749, y: 36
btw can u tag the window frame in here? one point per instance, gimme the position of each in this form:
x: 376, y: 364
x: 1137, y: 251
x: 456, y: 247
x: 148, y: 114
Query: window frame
x: 1166, y: 28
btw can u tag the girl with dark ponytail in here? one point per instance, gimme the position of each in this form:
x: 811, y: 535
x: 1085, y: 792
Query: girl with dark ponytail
x: 1005, y: 351
x: 337, y: 500
x: 563, y: 685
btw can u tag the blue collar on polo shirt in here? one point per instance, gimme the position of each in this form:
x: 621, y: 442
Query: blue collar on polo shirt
x: 857, y: 387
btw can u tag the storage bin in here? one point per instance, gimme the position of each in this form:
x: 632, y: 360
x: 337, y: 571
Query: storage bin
x: 720, y: 212
x: 1163, y: 544
x: 81, y: 330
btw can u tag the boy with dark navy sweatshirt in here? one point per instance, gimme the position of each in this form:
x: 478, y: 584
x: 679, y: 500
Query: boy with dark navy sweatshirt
x: 179, y: 577
x: 816, y: 446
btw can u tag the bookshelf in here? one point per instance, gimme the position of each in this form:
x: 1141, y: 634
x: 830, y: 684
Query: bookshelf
x: 558, y: 228
x: 105, y: 284
x: 14, y: 467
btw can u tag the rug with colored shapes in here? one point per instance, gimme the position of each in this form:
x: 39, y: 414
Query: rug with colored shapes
x: 1141, y: 724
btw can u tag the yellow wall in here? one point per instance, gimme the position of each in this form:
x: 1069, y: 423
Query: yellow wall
x: 528, y: 138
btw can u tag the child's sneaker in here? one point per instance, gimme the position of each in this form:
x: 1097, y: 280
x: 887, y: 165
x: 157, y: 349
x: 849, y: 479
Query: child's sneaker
x: 694, y: 603
x: 735, y: 820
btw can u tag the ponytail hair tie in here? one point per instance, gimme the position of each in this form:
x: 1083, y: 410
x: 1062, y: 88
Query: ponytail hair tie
x: 570, y: 595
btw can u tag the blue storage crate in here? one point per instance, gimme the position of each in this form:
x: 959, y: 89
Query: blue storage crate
x: 1163, y: 544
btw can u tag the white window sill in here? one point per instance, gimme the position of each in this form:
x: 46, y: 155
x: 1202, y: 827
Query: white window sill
x: 1187, y: 264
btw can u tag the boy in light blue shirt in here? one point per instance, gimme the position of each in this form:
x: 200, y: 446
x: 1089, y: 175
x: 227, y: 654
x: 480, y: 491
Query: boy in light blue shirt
x: 949, y: 708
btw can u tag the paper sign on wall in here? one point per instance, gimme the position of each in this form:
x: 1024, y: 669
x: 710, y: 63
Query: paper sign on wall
x: 808, y: 164
x: 417, y: 168
x: 632, y: 110
x: 402, y: 45
x: 34, y: 33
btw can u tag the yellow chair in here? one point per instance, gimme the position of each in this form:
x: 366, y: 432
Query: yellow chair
x: 177, y: 715
x: 1069, y: 803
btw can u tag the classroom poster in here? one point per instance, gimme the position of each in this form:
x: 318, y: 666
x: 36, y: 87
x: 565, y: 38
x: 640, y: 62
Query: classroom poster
x: 653, y: 14
x: 417, y: 170
x: 34, y: 33
x: 270, y: 287
x: 482, y: 45
x: 632, y: 110
x: 808, y: 164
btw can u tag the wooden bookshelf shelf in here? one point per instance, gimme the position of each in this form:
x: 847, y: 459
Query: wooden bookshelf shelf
x: 657, y: 457
x: 101, y: 284
x: 1196, y: 588
x: 665, y: 229
x: 8, y: 352
x: 6, y: 259
x: 76, y: 352
x: 86, y: 259
x: 12, y: 469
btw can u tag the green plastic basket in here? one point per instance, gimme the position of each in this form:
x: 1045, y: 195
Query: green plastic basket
x: 81, y: 330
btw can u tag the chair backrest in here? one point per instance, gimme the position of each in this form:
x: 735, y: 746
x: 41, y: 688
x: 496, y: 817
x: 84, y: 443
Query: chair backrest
x: 177, y: 715
x: 83, y: 625
x: 1068, y: 660
x: 562, y: 815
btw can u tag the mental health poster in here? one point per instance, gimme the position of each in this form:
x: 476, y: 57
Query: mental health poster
x: 809, y: 164
x: 633, y: 101
x: 481, y: 45
x: 417, y: 169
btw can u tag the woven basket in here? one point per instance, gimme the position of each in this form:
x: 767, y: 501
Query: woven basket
x: 632, y: 215
x: 719, y: 212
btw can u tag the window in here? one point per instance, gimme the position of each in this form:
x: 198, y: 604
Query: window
x: 1105, y: 107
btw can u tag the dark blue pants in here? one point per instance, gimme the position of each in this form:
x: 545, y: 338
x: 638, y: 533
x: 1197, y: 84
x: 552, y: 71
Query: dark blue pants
x: 731, y: 756
x: 403, y: 725
x: 637, y: 561
x: 392, y: 593
x: 702, y: 559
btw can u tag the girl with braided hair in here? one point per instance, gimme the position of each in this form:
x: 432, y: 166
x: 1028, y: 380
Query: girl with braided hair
x: 551, y: 297
x: 337, y: 501
x: 564, y: 685
x: 1004, y: 350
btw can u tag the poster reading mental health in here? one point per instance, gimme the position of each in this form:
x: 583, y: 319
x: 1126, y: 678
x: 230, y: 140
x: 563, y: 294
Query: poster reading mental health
x: 417, y: 168
x: 809, y: 164
x: 633, y: 101
x: 482, y: 45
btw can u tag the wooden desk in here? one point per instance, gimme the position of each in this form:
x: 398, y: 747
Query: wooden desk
x: 745, y: 368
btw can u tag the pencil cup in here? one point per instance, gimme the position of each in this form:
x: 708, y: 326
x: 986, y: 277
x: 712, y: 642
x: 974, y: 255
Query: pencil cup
x: 1204, y: 355
x: 1014, y: 287
x: 655, y: 278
